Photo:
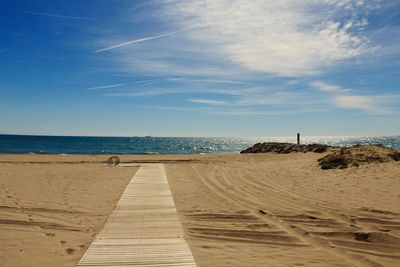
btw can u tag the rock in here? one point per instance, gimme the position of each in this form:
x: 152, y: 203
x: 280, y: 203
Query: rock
x: 317, y: 148
x: 284, y: 148
x: 333, y: 161
x: 395, y: 155
x: 361, y: 237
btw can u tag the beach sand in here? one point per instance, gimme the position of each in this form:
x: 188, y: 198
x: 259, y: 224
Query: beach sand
x: 50, y: 212
x: 236, y: 210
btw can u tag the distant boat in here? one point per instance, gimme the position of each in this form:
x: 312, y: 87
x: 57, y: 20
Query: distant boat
x: 147, y: 136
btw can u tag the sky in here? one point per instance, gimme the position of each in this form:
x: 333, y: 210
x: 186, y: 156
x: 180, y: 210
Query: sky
x: 200, y: 67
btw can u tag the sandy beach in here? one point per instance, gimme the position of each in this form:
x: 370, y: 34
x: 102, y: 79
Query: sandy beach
x: 50, y: 211
x: 200, y: 133
x: 236, y: 210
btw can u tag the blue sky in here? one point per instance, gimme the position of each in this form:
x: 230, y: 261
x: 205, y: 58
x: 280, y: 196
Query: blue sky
x: 200, y: 68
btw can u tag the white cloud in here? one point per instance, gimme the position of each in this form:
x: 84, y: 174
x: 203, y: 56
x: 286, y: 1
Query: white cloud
x: 232, y: 43
x: 348, y: 99
x: 287, y: 37
x: 326, y: 87
x: 218, y: 81
x: 208, y: 101
x: 368, y: 104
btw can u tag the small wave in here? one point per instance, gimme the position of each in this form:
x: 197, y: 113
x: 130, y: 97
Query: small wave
x: 39, y: 153
x: 151, y: 153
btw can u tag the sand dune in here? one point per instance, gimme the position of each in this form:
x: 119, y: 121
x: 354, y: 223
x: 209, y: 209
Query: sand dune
x: 237, y: 210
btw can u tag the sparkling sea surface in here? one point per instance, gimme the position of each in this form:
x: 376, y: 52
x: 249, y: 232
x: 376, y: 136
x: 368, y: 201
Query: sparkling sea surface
x: 21, y: 144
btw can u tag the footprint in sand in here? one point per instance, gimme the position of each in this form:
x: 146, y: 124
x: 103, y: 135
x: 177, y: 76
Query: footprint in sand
x: 50, y: 234
x: 70, y: 251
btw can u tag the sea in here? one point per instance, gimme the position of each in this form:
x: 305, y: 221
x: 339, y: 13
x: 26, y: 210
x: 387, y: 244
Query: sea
x: 30, y: 144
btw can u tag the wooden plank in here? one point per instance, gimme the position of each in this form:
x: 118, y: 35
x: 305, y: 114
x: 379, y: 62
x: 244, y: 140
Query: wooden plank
x: 144, y: 228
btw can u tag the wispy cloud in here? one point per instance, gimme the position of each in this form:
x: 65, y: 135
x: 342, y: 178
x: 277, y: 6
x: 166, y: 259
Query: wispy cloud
x: 254, y: 55
x: 191, y: 80
x: 368, y: 104
x: 220, y: 81
x: 106, y: 86
x: 180, y: 109
x: 235, y: 112
x: 141, y: 40
x: 246, y: 112
x: 326, y: 87
x: 55, y: 15
x: 279, y: 100
x: 289, y: 38
x: 208, y: 101
x: 179, y: 85
x: 157, y: 91
x: 348, y: 99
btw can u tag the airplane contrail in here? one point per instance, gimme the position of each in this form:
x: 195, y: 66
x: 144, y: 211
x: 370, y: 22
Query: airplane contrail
x: 106, y: 86
x: 141, y: 40
x: 54, y: 15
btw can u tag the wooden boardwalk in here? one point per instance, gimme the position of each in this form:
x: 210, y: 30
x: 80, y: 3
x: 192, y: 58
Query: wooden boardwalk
x: 144, y: 228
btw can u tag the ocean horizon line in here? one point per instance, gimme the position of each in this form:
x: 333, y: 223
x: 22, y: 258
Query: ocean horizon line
x: 172, y: 136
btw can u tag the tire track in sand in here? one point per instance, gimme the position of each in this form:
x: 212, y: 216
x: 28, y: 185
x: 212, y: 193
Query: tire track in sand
x: 290, y: 229
x: 345, y: 230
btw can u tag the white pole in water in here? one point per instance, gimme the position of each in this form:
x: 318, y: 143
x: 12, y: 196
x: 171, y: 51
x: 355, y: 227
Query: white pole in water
x: 298, y: 138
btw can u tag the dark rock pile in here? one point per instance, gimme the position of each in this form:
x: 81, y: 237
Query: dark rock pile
x: 342, y: 158
x: 284, y: 148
